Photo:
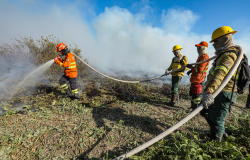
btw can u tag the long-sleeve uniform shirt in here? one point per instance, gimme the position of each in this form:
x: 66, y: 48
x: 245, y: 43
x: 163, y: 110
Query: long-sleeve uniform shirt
x: 199, y: 72
x: 220, y: 69
x: 69, y: 64
x: 176, y: 65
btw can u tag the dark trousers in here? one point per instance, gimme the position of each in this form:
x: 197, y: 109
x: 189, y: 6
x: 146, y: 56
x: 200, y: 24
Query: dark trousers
x: 248, y: 99
x: 175, y: 83
x: 72, y: 82
x: 217, y: 113
x: 195, y: 98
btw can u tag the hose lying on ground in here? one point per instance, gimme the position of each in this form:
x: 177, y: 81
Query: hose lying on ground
x: 135, y: 81
x: 188, y: 117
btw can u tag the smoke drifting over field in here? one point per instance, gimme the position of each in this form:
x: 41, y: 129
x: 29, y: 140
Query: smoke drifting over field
x: 116, y: 39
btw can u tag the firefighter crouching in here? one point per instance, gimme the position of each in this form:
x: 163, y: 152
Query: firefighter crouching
x: 198, y: 75
x: 216, y: 109
x: 179, y: 61
x: 70, y: 73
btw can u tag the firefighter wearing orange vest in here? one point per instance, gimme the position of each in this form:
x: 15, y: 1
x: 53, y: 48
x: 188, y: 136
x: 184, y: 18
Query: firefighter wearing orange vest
x: 70, y: 73
x: 198, y: 75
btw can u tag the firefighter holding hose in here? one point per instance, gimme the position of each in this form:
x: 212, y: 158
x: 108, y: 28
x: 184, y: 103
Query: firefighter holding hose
x: 178, y: 62
x: 248, y: 97
x: 198, y: 75
x: 216, y: 109
x: 70, y: 73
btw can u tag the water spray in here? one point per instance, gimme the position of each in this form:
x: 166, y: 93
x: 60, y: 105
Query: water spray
x: 39, y: 71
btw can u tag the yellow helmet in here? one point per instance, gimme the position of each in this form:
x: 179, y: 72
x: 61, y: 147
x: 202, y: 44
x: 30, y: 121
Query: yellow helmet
x: 221, y: 32
x: 176, y: 47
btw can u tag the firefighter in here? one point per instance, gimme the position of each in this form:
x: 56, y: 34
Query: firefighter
x: 218, y: 107
x: 248, y: 97
x: 70, y: 73
x: 198, y: 75
x: 179, y: 61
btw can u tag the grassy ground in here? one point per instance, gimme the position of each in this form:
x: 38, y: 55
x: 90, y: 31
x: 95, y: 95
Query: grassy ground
x: 111, y: 118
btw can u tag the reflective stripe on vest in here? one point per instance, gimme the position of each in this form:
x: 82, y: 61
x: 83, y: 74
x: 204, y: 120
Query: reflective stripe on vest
x: 237, y: 77
x: 223, y: 68
x: 211, y: 71
x: 205, y: 69
x: 73, y: 65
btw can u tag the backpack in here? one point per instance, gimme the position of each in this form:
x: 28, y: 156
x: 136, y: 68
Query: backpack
x: 244, y: 78
x: 244, y: 73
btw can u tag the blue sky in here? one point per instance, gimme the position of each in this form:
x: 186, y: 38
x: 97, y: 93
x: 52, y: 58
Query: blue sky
x: 212, y: 13
x: 126, y: 34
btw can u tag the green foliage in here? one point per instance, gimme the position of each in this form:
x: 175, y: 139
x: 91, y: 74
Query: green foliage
x: 183, y: 146
x: 37, y: 52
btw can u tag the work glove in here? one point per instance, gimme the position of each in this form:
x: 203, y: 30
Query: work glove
x: 57, y: 61
x: 167, y: 72
x: 207, y: 99
x: 189, y: 72
x: 189, y: 65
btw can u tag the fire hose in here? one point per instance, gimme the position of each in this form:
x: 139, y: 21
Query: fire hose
x: 137, y: 81
x: 188, y: 117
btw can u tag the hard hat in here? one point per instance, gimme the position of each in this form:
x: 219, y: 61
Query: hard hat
x: 203, y: 43
x: 176, y: 47
x: 60, y: 47
x: 221, y: 32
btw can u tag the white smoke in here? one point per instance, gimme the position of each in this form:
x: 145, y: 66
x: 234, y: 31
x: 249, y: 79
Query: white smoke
x: 124, y: 42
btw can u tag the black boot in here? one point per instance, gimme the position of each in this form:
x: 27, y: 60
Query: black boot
x: 171, y: 103
x: 67, y: 94
x: 194, y: 106
x: 225, y: 135
x: 77, y: 96
x: 177, y: 101
x: 248, y: 101
x: 213, y: 137
x: 219, y: 139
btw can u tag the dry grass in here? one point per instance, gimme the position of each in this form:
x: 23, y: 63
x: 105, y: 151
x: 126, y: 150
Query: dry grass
x: 103, y: 124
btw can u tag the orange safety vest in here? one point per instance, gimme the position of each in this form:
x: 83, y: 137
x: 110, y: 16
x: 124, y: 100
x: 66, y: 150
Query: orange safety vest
x: 69, y: 63
x: 199, y: 72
